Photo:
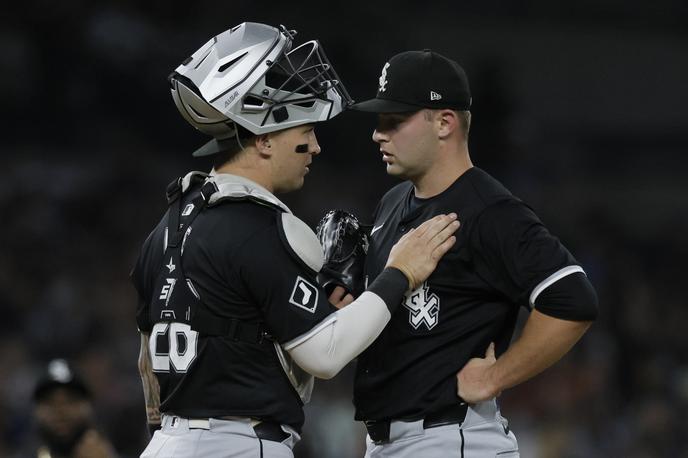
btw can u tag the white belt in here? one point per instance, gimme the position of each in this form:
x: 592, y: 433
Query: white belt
x: 204, y: 423
x: 199, y: 423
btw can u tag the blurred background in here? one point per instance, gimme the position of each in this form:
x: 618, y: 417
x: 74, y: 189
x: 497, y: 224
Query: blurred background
x: 579, y: 108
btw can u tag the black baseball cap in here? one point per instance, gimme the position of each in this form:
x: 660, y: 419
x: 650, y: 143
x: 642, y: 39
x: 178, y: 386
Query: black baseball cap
x: 59, y: 374
x: 413, y: 80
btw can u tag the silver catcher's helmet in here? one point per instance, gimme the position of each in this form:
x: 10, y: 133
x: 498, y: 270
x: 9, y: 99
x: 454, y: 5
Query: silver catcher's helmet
x: 251, y: 76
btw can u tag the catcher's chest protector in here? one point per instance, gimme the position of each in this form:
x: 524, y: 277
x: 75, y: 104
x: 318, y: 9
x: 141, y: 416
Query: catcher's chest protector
x: 179, y: 305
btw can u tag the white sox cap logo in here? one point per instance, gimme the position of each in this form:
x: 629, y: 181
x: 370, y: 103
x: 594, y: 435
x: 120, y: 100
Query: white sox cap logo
x: 304, y: 295
x: 383, y: 78
x: 424, y: 308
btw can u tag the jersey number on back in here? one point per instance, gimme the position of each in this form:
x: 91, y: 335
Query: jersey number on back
x: 181, y: 347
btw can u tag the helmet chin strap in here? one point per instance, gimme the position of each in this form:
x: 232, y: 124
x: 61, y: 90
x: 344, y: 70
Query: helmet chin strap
x: 236, y: 134
x: 303, y: 148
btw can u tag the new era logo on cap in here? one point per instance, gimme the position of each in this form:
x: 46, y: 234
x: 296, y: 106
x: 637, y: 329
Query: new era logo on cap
x: 435, y: 96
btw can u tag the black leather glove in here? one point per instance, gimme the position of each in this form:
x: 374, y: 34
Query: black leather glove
x: 345, y: 243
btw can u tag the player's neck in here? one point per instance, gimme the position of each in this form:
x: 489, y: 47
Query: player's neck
x: 248, y: 170
x: 443, y: 172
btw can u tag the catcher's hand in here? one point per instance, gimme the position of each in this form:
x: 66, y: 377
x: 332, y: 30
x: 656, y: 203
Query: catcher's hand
x: 417, y: 253
x: 345, y: 243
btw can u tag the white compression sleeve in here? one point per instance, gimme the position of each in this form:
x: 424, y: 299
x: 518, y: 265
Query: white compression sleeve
x: 326, y: 349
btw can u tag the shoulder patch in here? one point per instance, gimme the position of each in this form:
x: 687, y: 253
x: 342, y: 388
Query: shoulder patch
x: 304, y: 295
x: 302, y: 241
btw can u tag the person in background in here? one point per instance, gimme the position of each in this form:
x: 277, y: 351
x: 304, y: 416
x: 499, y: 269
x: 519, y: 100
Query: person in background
x: 63, y: 414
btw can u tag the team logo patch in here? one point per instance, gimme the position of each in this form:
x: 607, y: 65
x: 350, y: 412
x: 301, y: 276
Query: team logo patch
x: 304, y: 295
x: 424, y: 307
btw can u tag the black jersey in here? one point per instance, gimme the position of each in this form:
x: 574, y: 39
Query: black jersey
x: 236, y: 262
x: 501, y: 254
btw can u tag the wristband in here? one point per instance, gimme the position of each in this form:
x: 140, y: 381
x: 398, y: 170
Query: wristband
x: 390, y: 285
x: 411, y: 279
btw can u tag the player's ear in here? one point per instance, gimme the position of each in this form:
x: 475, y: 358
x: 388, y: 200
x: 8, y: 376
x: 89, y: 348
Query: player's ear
x: 447, y: 123
x: 264, y: 145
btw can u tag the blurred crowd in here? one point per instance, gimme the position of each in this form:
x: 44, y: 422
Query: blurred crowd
x: 586, y: 128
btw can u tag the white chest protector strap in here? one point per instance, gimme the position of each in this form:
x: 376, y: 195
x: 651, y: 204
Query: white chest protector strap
x: 297, y: 236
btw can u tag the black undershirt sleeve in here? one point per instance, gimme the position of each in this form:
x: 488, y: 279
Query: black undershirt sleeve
x: 390, y: 285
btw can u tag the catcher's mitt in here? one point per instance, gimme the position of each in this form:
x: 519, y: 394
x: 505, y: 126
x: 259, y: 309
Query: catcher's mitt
x: 345, y: 243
